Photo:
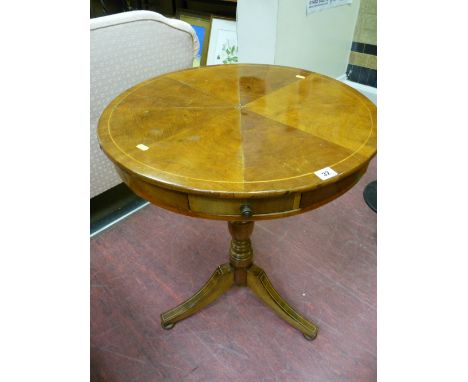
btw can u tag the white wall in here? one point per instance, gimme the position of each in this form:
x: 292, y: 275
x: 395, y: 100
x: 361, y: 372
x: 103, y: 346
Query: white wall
x: 279, y: 32
x: 320, y: 42
x: 256, y: 30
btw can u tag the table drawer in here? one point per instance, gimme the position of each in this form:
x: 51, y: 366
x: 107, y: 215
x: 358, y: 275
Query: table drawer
x: 231, y: 207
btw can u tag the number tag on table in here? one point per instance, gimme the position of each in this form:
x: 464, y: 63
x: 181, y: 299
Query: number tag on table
x: 325, y: 173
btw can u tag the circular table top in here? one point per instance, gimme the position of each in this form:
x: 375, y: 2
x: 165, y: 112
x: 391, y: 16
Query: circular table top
x: 239, y: 130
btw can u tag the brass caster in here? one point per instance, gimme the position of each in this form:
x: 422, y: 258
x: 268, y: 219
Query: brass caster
x: 167, y: 326
x: 309, y: 338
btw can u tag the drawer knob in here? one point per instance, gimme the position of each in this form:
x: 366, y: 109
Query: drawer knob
x: 245, y: 211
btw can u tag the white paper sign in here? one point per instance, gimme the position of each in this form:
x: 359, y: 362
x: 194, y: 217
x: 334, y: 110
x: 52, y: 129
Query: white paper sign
x: 319, y: 5
x: 326, y: 173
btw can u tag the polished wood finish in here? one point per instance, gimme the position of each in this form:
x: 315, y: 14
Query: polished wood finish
x: 240, y: 271
x: 219, y: 282
x: 241, y: 252
x: 239, y: 143
x: 259, y: 282
x: 222, y: 136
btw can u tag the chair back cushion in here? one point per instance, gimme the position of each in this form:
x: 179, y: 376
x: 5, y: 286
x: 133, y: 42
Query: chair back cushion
x: 127, y: 48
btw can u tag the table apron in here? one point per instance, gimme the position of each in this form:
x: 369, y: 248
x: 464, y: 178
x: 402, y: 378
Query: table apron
x: 229, y: 208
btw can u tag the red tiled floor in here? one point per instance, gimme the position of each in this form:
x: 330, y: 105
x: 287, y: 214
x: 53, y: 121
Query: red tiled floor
x: 323, y: 262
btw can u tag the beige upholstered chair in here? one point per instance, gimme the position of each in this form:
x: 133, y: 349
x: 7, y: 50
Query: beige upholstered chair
x: 127, y: 48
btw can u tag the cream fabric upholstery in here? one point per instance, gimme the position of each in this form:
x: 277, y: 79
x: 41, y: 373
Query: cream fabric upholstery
x: 127, y: 48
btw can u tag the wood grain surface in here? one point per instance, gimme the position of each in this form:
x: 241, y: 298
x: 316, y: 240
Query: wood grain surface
x: 205, y: 141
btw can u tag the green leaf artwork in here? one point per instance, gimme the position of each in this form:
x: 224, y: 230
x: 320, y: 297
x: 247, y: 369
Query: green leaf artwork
x: 228, y: 53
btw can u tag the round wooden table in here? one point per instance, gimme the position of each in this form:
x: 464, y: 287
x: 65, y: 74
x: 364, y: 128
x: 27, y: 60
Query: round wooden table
x: 240, y: 143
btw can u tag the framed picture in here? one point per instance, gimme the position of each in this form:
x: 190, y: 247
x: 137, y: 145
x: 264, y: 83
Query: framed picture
x: 222, y: 47
x: 201, y: 23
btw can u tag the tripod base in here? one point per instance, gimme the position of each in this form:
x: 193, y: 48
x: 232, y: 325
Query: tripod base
x: 240, y: 271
